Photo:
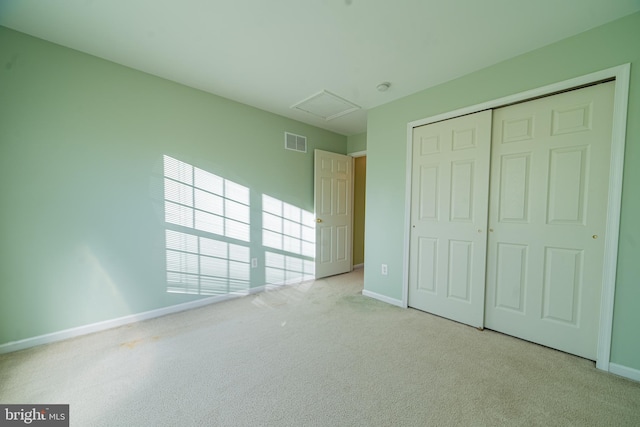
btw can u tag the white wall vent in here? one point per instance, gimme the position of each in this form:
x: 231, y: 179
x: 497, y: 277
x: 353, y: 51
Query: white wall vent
x: 295, y: 142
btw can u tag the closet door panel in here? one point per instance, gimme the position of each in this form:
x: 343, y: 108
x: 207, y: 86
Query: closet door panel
x: 549, y: 190
x: 450, y: 183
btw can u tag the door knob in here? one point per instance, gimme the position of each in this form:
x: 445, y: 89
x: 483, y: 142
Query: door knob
x: 318, y: 220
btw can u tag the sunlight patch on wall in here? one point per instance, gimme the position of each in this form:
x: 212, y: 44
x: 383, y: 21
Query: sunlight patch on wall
x: 285, y: 269
x: 287, y: 227
x: 204, y: 266
x: 290, y: 232
x: 208, y: 223
x: 198, y: 199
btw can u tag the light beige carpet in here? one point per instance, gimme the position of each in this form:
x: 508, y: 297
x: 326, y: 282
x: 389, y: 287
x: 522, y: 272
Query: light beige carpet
x: 317, y: 354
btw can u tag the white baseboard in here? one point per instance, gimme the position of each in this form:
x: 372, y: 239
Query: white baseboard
x: 624, y: 371
x: 121, y: 321
x: 126, y: 320
x: 382, y: 298
x: 257, y: 290
x: 358, y: 266
x: 286, y: 283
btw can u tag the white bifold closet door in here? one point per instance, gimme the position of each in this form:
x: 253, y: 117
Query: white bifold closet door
x: 534, y: 175
x: 549, y: 190
x: 450, y: 184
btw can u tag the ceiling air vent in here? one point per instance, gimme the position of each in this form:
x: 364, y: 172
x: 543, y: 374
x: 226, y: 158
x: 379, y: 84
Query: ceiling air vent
x: 295, y: 142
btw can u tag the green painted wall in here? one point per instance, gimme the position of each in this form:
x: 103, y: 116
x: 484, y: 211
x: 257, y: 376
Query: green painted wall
x: 357, y: 143
x: 603, y: 47
x: 81, y: 148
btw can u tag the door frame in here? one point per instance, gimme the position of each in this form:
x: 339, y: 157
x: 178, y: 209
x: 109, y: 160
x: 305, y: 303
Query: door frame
x: 355, y: 155
x: 621, y: 75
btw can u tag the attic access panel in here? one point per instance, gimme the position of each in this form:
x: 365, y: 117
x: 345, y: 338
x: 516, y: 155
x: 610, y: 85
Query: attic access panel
x: 326, y: 105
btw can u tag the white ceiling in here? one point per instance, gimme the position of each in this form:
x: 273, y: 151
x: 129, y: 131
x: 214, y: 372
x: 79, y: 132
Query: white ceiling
x: 271, y: 54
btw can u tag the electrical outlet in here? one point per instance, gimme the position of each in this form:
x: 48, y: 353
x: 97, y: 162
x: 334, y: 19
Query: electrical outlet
x: 384, y: 269
x: 254, y: 262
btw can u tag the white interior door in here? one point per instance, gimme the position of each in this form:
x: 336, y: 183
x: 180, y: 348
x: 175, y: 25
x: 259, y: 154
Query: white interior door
x: 450, y: 187
x: 549, y: 184
x: 333, y: 188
